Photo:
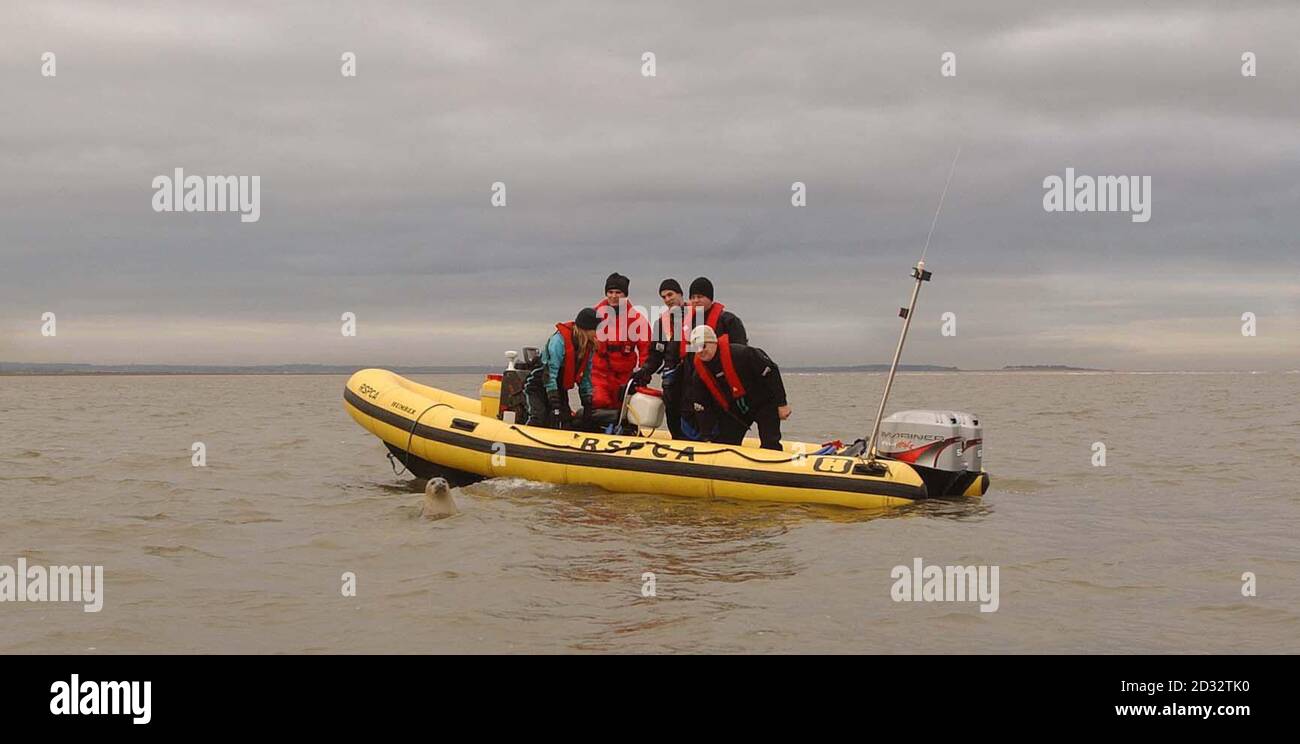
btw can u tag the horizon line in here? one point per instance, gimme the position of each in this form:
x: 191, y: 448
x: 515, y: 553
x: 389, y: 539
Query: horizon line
x: 52, y: 369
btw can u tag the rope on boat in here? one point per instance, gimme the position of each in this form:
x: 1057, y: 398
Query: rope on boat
x: 406, y: 459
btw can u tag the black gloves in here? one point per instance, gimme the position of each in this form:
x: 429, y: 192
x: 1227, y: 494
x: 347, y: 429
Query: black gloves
x: 559, y: 403
x: 588, y: 410
x: 642, y: 376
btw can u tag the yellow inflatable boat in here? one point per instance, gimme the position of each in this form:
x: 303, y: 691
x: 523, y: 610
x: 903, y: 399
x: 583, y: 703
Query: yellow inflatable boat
x: 435, y: 432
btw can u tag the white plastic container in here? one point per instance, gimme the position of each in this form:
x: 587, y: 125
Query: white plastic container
x: 645, y: 408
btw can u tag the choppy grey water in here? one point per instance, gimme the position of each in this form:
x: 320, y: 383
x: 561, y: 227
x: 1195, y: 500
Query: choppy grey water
x: 247, y: 553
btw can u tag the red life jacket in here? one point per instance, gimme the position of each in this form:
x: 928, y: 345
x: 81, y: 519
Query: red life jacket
x: 617, y: 331
x: 622, y: 342
x: 617, y: 353
x: 573, y: 370
x: 728, y: 371
x: 711, y: 320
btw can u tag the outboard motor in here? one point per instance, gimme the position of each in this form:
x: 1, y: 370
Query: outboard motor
x: 513, y: 407
x: 945, y: 447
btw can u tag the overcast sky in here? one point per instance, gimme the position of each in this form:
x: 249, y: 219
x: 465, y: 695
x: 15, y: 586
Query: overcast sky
x: 375, y: 189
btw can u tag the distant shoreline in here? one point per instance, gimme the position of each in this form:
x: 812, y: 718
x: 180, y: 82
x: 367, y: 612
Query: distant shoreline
x: 1049, y: 368
x: 108, y: 370
x: 792, y: 370
x: 48, y: 369
x: 10, y: 369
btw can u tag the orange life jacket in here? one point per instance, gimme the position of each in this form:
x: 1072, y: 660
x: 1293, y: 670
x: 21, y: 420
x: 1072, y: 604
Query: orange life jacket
x: 574, y: 369
x: 728, y: 371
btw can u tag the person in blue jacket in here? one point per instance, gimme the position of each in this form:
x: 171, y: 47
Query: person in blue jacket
x: 566, y: 362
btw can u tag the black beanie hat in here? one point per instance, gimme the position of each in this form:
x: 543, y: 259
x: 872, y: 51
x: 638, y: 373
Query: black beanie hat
x: 586, y: 319
x: 670, y: 284
x: 702, y: 286
x: 617, y: 281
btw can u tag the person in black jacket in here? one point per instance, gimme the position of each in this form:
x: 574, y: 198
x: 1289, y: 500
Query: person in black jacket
x: 714, y: 314
x: 735, y: 386
x: 702, y: 309
x: 667, y: 349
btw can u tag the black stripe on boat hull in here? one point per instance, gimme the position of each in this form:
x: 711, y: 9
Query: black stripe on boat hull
x: 661, y: 467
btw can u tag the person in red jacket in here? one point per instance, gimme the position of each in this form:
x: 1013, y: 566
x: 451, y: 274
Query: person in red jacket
x: 622, y: 343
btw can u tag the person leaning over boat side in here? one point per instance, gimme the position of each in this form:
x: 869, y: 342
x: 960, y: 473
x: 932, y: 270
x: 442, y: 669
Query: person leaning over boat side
x: 736, y: 386
x: 666, y: 354
x: 566, y: 361
x: 701, y: 306
x: 622, y: 340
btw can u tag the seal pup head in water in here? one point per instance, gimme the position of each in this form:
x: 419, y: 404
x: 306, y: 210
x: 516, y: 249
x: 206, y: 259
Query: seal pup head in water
x: 438, y: 502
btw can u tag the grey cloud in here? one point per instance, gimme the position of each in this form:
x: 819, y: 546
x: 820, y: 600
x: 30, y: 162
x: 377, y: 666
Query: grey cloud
x: 375, y: 189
